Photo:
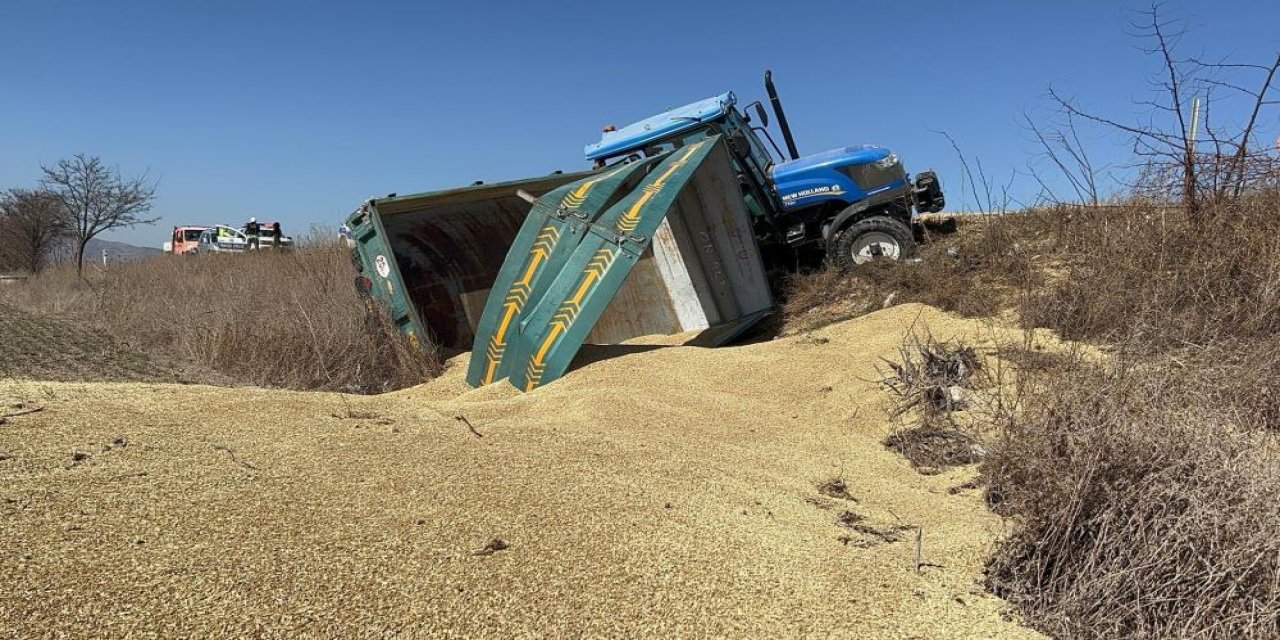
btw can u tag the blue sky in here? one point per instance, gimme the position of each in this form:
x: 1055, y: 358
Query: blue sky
x: 298, y: 111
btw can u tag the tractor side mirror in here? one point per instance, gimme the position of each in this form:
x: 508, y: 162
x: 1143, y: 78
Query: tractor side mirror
x: 761, y: 114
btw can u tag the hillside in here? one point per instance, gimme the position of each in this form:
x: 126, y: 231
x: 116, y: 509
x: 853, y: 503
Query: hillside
x: 120, y: 250
x: 44, y: 348
x: 116, y: 252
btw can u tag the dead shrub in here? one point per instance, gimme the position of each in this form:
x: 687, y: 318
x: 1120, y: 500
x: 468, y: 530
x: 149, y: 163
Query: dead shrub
x: 930, y: 381
x: 930, y: 448
x: 1145, y: 509
x: 287, y: 319
x: 931, y: 374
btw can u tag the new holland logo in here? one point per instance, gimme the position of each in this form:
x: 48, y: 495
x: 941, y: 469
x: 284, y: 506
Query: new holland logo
x: 825, y: 190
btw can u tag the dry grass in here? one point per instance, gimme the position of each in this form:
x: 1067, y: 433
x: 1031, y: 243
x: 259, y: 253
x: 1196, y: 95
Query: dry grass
x: 1146, y: 508
x: 988, y: 265
x: 272, y: 319
x: 1154, y: 277
x: 1143, y: 484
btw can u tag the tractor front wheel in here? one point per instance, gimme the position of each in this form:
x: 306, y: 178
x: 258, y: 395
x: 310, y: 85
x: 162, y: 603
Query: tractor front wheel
x: 874, y: 238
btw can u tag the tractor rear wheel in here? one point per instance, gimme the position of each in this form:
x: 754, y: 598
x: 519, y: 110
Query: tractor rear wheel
x: 874, y: 238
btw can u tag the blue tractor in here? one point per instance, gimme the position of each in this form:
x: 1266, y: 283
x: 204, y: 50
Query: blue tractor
x: 853, y: 204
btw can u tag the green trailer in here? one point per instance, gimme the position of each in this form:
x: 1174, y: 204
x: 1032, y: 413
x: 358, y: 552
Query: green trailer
x: 663, y: 245
x: 431, y: 258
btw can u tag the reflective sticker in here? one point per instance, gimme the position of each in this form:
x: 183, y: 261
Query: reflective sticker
x: 380, y: 263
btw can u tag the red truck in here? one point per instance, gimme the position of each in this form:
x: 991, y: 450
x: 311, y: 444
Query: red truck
x: 184, y: 240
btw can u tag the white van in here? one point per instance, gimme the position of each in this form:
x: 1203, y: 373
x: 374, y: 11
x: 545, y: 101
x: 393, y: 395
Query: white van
x: 221, y: 239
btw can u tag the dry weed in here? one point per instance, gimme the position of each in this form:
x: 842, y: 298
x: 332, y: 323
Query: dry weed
x: 290, y: 319
x: 987, y: 266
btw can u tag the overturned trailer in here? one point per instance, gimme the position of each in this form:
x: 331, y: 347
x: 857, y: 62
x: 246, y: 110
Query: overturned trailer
x: 524, y: 272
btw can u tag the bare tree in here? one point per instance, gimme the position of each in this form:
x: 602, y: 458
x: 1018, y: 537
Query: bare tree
x: 95, y: 198
x: 1167, y: 142
x: 1235, y: 161
x: 31, y: 224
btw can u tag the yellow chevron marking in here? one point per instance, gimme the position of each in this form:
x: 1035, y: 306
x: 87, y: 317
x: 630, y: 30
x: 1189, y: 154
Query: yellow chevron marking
x: 499, y: 343
x: 574, y: 199
x: 533, y: 377
x: 519, y: 294
x: 628, y: 222
x: 567, y: 313
x: 535, y: 368
x: 496, y: 351
x: 527, y: 279
x: 542, y: 247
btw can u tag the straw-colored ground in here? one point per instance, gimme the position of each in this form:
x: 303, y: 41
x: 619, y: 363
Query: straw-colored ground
x: 671, y: 492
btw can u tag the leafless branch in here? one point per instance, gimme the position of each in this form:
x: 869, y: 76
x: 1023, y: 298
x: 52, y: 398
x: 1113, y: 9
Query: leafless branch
x: 96, y: 198
x: 31, y: 224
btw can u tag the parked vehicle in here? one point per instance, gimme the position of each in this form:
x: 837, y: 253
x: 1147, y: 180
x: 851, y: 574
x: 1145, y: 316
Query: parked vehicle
x: 221, y: 239
x: 266, y: 236
x: 184, y: 240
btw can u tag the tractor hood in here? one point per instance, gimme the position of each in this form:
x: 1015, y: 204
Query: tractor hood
x: 842, y: 157
x: 637, y: 135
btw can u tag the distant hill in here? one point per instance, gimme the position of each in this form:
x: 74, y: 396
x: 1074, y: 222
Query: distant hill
x: 120, y: 250
x: 116, y: 251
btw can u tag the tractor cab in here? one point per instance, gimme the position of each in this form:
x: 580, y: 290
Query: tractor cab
x: 856, y: 203
x: 690, y: 123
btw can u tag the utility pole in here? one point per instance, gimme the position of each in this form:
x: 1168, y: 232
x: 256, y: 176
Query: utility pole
x: 1195, y: 126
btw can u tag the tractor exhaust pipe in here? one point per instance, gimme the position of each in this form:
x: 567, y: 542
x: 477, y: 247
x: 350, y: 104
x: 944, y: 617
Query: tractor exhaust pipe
x: 780, y: 114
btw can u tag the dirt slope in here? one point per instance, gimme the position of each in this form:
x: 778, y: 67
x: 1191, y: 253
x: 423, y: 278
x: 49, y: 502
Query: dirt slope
x: 46, y: 348
x: 670, y: 492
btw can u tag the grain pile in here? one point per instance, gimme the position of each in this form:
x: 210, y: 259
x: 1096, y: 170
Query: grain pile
x: 670, y: 491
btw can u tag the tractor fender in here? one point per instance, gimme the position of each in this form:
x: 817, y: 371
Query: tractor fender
x: 859, y: 210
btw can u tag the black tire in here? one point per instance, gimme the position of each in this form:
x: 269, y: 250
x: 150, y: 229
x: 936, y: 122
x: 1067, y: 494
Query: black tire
x: 877, y: 230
